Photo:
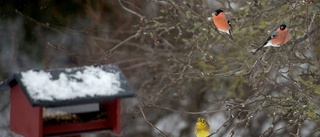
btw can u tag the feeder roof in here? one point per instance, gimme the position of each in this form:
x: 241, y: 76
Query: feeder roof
x: 72, y: 86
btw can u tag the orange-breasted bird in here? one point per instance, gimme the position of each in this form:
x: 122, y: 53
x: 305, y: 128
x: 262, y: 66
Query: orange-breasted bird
x: 221, y: 21
x: 277, y: 38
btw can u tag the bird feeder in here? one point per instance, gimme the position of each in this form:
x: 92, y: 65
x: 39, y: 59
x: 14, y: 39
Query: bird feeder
x: 67, y: 101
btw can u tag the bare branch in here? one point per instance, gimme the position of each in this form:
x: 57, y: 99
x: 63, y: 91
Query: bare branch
x: 145, y: 118
x: 131, y: 11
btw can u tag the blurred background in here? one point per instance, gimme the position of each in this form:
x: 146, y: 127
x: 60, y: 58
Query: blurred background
x: 180, y: 66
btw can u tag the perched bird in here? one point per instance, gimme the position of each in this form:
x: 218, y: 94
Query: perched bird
x: 277, y: 38
x: 221, y: 21
x: 202, y: 128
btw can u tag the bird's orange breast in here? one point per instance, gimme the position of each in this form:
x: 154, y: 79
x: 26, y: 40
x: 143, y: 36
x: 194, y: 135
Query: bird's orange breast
x: 221, y: 22
x: 282, y: 38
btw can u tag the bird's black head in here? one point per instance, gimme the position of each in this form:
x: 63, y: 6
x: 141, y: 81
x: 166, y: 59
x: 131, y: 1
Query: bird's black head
x: 217, y: 12
x: 283, y: 26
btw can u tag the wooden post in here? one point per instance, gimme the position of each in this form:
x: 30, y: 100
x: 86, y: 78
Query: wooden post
x: 24, y: 119
x: 113, y: 109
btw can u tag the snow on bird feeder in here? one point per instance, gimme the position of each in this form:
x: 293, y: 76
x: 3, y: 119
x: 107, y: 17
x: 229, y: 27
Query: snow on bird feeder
x: 67, y: 101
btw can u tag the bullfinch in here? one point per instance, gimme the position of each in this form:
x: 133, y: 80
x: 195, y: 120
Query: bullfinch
x: 221, y: 21
x: 277, y: 38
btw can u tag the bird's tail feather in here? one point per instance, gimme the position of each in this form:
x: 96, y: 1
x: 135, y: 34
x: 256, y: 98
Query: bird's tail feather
x: 230, y: 34
x: 257, y: 50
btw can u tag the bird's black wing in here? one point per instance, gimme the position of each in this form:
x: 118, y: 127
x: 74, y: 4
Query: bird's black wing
x: 273, y: 35
x: 230, y: 30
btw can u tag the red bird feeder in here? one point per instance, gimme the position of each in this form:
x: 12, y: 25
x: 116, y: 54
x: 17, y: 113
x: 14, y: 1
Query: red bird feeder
x: 68, y: 101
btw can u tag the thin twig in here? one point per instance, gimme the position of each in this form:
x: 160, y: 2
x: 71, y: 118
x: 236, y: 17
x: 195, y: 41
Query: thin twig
x: 189, y: 112
x: 145, y: 118
x: 131, y: 11
x: 109, y: 53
